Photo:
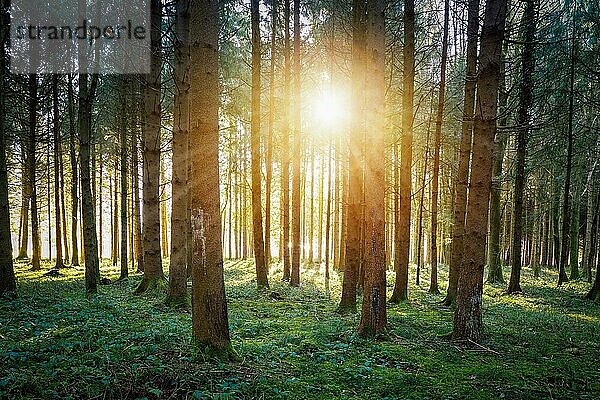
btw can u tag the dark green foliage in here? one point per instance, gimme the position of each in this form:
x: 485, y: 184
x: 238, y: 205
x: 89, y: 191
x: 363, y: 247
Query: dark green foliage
x: 56, y: 343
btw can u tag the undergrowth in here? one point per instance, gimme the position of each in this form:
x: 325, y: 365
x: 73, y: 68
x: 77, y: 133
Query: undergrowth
x: 57, y: 343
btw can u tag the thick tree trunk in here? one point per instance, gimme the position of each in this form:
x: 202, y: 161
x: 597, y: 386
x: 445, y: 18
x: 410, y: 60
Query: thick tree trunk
x: 151, y: 244
x: 177, y: 294
x: 467, y: 316
x: 373, y: 317
x: 402, y: 234
x: 210, y: 327
x: 296, y: 176
x: 433, y: 287
x: 262, y: 280
x: 355, y: 189
x: 7, y: 274
x: 462, y: 179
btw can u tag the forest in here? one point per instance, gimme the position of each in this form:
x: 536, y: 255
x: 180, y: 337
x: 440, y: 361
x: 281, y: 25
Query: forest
x: 303, y: 199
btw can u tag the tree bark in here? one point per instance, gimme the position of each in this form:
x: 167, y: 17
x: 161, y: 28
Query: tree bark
x: 523, y: 121
x: 31, y: 172
x: 210, y: 327
x: 57, y: 187
x: 262, y: 280
x: 467, y: 316
x: 177, y: 294
x: 373, y: 317
x: 285, y: 157
x: 433, y: 287
x: 151, y: 243
x: 296, y: 176
x: 402, y: 230
x: 355, y: 182
x: 74, y: 176
x: 462, y: 179
x: 123, y: 153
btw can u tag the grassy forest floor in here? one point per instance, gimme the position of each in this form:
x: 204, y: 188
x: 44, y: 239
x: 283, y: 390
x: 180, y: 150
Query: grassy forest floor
x: 56, y: 343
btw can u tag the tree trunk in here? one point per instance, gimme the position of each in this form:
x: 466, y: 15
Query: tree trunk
x: 566, y: 211
x: 588, y: 249
x: 153, y: 271
x: 57, y: 213
x: 402, y: 230
x: 262, y: 280
x: 467, y: 316
x: 31, y: 172
x: 7, y: 274
x: 296, y: 177
x: 123, y: 153
x: 74, y: 176
x: 373, y: 317
x: 285, y: 157
x: 137, y: 221
x: 355, y: 183
x: 462, y: 179
x: 433, y: 287
x: 210, y: 327
x: 177, y: 294
x: 271, y: 132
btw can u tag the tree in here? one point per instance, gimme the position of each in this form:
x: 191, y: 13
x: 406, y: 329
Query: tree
x: 123, y: 170
x: 210, y: 327
x: 257, y: 232
x: 355, y: 182
x: 74, y: 174
x: 525, y: 100
x: 296, y: 177
x: 7, y: 274
x: 373, y: 318
x: 462, y: 179
x: 402, y: 228
x: 57, y: 155
x: 467, y: 316
x: 433, y: 288
x: 151, y: 244
x: 285, y: 157
x: 179, y: 184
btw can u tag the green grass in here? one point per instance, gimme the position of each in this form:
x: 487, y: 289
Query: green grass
x: 57, y: 343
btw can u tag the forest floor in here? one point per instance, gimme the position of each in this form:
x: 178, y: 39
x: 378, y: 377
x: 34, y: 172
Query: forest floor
x: 57, y: 343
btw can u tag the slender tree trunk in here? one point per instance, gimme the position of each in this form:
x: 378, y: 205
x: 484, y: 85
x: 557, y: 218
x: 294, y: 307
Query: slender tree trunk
x: 467, y: 316
x: 124, y: 172
x: 7, y: 274
x: 210, y: 327
x: 153, y: 271
x: 588, y: 249
x: 271, y: 133
x: 566, y: 211
x: 525, y: 102
x: 402, y: 234
x: 31, y: 172
x: 262, y: 280
x: 433, y: 287
x: 462, y: 178
x: 285, y: 157
x: 57, y: 213
x: 74, y: 176
x: 164, y: 239
x: 355, y: 182
x: 296, y: 176
x: 177, y: 294
x: 137, y: 221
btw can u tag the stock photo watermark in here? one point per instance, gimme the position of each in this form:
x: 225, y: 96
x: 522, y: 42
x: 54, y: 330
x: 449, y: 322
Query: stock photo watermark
x: 93, y: 36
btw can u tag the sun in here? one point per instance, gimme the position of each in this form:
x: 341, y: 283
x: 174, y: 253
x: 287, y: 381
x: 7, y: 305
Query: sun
x: 330, y: 110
